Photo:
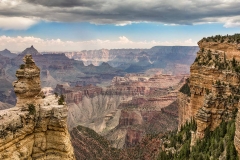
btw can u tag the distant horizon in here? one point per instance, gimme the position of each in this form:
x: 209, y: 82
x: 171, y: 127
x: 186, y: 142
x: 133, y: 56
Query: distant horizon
x: 17, y: 52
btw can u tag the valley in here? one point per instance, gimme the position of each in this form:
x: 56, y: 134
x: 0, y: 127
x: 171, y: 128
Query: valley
x: 120, y: 110
x: 122, y: 107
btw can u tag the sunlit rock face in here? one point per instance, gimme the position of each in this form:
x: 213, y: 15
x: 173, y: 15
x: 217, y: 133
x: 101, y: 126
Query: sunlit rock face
x: 27, y: 85
x: 214, y: 87
x: 36, y: 128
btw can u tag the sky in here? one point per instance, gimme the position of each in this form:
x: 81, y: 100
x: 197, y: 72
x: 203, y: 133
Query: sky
x: 75, y: 25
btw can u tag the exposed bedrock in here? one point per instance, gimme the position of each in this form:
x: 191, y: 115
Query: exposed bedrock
x: 36, y: 127
x: 213, y: 87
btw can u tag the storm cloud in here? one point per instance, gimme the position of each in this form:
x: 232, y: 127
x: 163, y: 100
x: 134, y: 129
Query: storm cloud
x: 67, y: 3
x: 120, y: 12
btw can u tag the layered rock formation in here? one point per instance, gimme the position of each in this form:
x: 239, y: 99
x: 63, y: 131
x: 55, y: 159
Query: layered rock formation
x: 57, y: 68
x: 91, y: 106
x: 90, y: 145
x: 36, y: 127
x: 184, y: 105
x: 133, y: 106
x: 214, y: 85
x: 172, y: 59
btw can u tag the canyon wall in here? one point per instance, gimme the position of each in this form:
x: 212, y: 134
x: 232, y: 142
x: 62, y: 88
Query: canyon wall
x: 36, y: 127
x: 184, y: 109
x: 171, y: 59
x: 124, y: 112
x: 152, y: 109
x: 214, y: 86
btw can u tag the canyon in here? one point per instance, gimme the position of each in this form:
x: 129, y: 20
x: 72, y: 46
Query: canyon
x: 111, y: 110
x: 113, y: 114
x: 133, y: 106
x: 171, y: 59
x: 76, y: 68
x: 121, y: 107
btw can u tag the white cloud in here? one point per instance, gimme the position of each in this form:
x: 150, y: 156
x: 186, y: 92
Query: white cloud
x: 232, y: 22
x: 125, y: 23
x: 20, y: 43
x: 16, y: 23
x: 229, y: 22
x: 9, y: 3
x: 124, y: 39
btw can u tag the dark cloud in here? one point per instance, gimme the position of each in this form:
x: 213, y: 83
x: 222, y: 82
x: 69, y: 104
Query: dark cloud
x: 66, y: 3
x: 124, y: 11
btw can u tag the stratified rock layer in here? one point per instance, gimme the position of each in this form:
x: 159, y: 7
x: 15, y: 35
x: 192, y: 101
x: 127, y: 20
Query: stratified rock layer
x: 214, y: 86
x: 27, y: 87
x: 36, y: 128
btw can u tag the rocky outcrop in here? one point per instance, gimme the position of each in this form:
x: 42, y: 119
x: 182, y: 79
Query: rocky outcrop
x: 31, y: 50
x: 36, y: 127
x: 27, y: 87
x: 214, y: 86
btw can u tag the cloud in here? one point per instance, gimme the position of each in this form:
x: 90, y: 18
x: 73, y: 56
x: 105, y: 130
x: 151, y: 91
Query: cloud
x: 232, y: 22
x: 122, y: 12
x: 16, y: 23
x: 124, y: 39
x: 67, y: 3
x: 19, y: 43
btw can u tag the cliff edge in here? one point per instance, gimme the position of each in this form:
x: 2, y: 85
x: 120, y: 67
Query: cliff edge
x: 213, y: 94
x: 36, y: 127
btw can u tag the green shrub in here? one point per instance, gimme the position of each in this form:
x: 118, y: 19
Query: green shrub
x: 31, y: 109
x: 212, y: 146
x: 61, y: 100
x: 186, y: 89
x: 22, y: 66
x: 56, y: 94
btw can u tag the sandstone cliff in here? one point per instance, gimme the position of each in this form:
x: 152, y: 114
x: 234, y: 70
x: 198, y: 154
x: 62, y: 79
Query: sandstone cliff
x: 214, y: 85
x: 36, y: 127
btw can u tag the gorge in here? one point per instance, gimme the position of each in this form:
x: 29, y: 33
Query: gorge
x: 132, y: 115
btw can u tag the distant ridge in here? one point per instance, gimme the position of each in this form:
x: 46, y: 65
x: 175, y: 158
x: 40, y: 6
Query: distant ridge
x: 31, y: 51
x: 7, y: 53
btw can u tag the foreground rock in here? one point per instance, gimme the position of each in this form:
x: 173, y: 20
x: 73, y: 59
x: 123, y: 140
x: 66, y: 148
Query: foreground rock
x: 36, y: 127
